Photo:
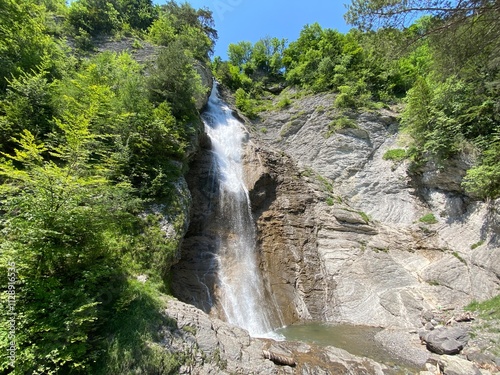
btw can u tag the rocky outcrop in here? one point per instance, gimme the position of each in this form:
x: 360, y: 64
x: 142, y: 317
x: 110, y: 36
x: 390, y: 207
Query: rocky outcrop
x: 211, y: 346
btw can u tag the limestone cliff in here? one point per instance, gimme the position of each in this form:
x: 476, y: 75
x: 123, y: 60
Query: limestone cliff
x: 340, y: 232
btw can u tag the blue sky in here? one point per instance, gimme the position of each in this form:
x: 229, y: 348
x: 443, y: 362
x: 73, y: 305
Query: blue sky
x: 250, y: 20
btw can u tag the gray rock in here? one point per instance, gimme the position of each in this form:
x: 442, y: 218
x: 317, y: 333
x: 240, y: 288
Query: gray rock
x: 429, y: 326
x: 451, y: 365
x: 445, y: 340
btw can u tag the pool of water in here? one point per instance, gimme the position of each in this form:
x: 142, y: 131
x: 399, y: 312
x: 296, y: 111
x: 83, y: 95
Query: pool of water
x: 357, y: 340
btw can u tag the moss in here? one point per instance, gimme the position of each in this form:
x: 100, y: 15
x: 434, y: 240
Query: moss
x: 477, y: 244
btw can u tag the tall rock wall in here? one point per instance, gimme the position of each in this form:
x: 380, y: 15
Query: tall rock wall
x: 339, y: 227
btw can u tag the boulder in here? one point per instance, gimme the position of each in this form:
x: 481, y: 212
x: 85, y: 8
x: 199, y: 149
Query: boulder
x: 445, y: 340
x: 450, y: 365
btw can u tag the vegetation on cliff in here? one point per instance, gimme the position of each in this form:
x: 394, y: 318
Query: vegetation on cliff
x: 88, y: 142
x: 440, y: 59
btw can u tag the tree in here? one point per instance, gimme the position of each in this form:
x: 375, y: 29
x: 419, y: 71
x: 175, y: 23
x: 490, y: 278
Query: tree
x: 240, y: 53
x: 93, y: 16
x: 370, y: 14
x: 25, y: 45
x: 174, y: 79
x: 139, y: 14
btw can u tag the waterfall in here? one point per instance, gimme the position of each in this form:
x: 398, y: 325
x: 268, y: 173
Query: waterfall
x: 240, y: 289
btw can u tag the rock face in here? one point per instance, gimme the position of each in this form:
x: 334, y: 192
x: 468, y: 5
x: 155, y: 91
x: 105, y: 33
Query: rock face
x: 339, y: 226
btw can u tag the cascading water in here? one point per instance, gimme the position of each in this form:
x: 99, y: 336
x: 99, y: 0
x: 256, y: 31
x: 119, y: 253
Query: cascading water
x: 240, y: 289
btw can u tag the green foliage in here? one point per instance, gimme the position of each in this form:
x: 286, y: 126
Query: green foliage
x: 489, y: 309
x: 484, y: 180
x: 93, y: 16
x: 364, y: 216
x: 27, y: 105
x: 477, y: 244
x: 54, y: 224
x: 192, y: 29
x: 245, y: 103
x: 341, y: 121
x: 132, y: 336
x: 85, y: 146
x: 284, y: 102
x: 138, y: 14
x: 25, y: 44
x: 397, y: 155
x: 428, y: 219
x: 457, y: 255
x: 174, y: 79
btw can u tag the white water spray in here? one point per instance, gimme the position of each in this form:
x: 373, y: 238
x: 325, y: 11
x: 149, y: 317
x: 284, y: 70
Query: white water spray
x: 241, y: 289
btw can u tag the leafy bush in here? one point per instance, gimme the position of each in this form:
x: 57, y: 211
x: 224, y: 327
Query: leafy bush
x: 174, y: 79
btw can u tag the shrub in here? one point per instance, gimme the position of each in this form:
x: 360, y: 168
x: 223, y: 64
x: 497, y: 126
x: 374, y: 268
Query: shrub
x: 396, y: 155
x: 428, y: 219
x: 284, y: 102
x: 245, y: 103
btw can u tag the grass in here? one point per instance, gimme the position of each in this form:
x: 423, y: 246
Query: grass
x: 307, y: 172
x: 428, y: 219
x: 488, y: 309
x: 434, y: 282
x: 364, y: 216
x: 329, y: 201
x: 457, y: 255
x: 284, y: 103
x: 327, y: 185
x: 339, y: 123
x: 396, y: 155
x: 133, y: 334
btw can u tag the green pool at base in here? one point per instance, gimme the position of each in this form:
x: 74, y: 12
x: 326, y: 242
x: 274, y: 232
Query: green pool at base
x: 357, y: 340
